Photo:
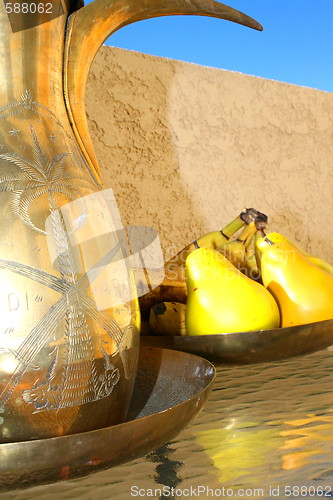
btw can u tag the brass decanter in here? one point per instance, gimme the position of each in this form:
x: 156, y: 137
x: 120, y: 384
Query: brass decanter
x: 69, y: 334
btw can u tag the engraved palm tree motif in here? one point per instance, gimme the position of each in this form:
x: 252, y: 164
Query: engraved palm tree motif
x: 36, y: 178
x: 80, y: 381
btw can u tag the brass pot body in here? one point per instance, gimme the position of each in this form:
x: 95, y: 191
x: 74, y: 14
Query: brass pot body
x: 69, y: 333
x: 68, y: 358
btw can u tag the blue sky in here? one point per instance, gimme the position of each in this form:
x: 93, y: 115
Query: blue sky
x: 296, y: 45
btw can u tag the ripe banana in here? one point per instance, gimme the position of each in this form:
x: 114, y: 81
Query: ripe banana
x: 258, y: 236
x: 214, y: 239
x: 173, y: 286
x: 240, y: 253
x: 168, y: 318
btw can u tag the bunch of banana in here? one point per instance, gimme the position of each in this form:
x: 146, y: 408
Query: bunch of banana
x: 295, y: 287
x: 240, y: 253
x: 238, y: 250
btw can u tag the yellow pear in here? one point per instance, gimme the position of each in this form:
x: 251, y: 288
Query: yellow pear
x: 303, y: 290
x: 221, y: 299
x: 278, y: 238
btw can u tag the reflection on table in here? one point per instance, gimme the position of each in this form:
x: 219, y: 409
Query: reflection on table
x: 266, y: 428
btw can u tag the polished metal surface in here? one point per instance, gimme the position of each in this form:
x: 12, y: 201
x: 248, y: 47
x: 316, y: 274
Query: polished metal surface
x: 170, y: 389
x: 67, y: 363
x: 251, y: 347
x: 68, y: 337
x: 266, y: 428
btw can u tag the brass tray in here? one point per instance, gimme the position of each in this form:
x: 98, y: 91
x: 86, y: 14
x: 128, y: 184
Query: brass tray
x: 170, y: 389
x: 251, y: 347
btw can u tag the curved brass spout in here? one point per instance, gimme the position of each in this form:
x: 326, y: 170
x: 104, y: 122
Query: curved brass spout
x: 90, y: 26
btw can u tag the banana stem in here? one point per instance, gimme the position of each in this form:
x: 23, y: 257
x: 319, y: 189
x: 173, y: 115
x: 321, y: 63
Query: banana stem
x: 248, y: 241
x: 257, y: 236
x: 249, y: 238
x: 252, y: 215
x: 247, y: 234
x: 232, y: 228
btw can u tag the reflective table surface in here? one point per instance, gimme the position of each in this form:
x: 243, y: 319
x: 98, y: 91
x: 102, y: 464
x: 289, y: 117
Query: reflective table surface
x: 265, y: 432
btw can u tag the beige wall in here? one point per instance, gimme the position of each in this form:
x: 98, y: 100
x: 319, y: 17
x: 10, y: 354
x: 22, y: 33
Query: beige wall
x: 186, y: 147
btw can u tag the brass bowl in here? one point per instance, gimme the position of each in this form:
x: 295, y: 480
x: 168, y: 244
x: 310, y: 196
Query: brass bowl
x: 251, y: 347
x: 170, y: 390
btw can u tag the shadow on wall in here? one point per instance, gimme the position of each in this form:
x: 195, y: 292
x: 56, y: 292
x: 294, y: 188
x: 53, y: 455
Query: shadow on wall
x: 128, y: 107
x: 186, y: 147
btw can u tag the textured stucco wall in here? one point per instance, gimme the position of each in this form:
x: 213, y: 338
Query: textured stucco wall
x: 186, y: 147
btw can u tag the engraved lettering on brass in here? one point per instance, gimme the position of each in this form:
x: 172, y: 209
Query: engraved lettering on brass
x: 10, y: 329
x: 13, y: 302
